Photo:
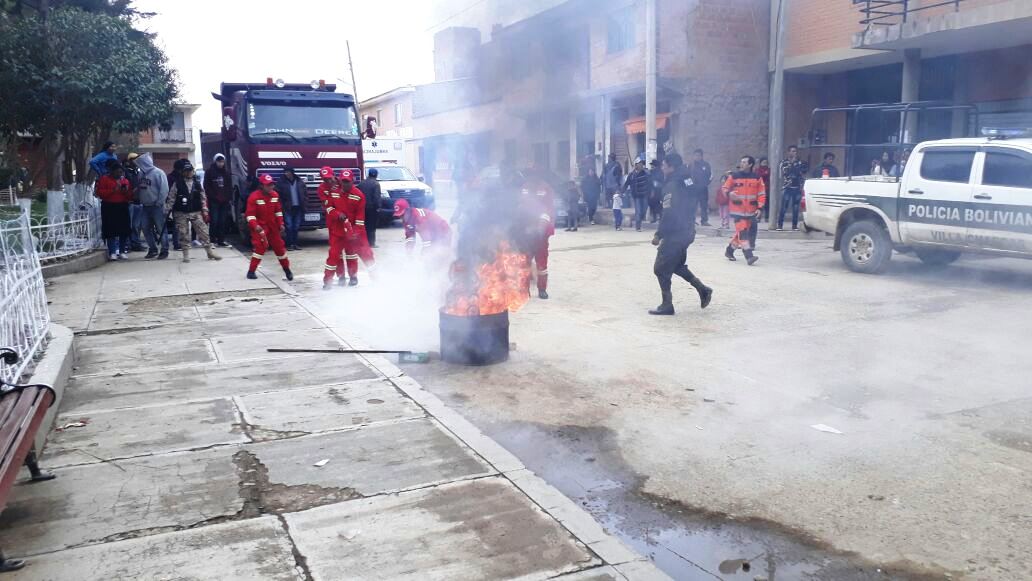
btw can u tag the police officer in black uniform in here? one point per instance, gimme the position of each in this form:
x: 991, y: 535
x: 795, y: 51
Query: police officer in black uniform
x: 675, y: 234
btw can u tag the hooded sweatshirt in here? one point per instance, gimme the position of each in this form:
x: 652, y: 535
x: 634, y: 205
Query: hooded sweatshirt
x: 678, y: 222
x: 153, y: 184
x: 217, y: 182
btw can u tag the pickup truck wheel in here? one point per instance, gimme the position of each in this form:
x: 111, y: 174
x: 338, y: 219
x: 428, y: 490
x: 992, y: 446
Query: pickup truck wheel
x: 866, y: 247
x: 936, y: 257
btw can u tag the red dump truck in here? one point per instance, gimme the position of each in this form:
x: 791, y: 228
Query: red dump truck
x: 269, y: 126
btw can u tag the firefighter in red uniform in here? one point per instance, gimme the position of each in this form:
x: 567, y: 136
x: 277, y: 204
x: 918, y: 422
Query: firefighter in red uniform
x: 538, y: 202
x: 339, y: 225
x: 433, y: 229
x: 356, y: 245
x: 265, y: 219
x: 746, y: 197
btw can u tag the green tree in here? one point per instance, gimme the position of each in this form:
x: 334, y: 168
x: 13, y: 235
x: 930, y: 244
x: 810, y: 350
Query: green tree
x: 72, y: 77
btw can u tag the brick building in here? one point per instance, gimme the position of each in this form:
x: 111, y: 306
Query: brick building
x: 961, y: 51
x: 565, y: 82
x: 167, y: 145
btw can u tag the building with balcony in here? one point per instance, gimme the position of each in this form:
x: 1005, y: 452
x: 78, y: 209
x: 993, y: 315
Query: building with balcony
x: 848, y: 52
x: 562, y: 85
x: 178, y: 141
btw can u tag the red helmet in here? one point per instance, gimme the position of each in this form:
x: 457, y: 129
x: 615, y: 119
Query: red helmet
x: 326, y: 172
x: 345, y: 175
x: 266, y: 179
x: 400, y: 207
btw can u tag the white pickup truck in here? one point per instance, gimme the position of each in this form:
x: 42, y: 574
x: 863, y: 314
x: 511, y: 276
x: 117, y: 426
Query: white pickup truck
x: 955, y: 196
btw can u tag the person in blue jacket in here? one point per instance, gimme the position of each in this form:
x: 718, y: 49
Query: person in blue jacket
x: 99, y: 162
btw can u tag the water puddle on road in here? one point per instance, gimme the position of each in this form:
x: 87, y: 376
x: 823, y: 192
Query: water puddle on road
x: 585, y: 465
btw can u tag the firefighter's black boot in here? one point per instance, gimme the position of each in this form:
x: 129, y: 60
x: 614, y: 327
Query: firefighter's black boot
x: 251, y: 275
x: 290, y: 275
x: 542, y: 293
x: 667, y: 307
x: 730, y: 253
x: 342, y: 281
x: 353, y: 281
x: 750, y: 257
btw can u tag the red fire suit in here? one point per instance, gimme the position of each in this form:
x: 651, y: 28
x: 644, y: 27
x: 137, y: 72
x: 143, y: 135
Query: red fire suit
x: 538, y: 201
x: 356, y: 245
x: 339, y: 225
x: 433, y: 229
x: 265, y: 218
x: 746, y: 195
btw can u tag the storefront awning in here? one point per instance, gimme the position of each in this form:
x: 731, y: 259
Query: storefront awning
x: 637, y: 124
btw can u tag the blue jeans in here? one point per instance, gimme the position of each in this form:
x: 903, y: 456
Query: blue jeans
x: 790, y: 197
x: 641, y: 205
x: 116, y: 245
x: 136, y: 223
x: 153, y: 222
x: 617, y: 218
x: 292, y: 223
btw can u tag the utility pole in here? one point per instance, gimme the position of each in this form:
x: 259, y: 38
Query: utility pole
x: 776, y: 128
x: 354, y: 88
x: 651, y: 74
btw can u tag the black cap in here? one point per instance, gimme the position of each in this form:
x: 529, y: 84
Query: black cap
x: 187, y: 166
x: 289, y: 168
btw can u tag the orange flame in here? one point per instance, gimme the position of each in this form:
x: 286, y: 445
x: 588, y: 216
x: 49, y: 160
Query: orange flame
x: 500, y: 285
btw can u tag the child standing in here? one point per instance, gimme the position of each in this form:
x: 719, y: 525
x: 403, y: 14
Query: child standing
x: 723, y: 204
x: 618, y: 211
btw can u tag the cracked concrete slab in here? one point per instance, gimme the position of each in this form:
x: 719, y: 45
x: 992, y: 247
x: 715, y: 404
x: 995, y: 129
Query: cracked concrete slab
x: 207, y: 381
x: 254, y: 345
x: 482, y: 529
x: 142, y: 355
x: 151, y: 430
x: 237, y: 551
x: 371, y: 460
x: 330, y: 407
x: 247, y: 306
x: 121, y: 320
x: 91, y: 504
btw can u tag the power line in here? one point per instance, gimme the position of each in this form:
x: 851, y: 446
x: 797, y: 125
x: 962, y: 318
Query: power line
x: 459, y: 13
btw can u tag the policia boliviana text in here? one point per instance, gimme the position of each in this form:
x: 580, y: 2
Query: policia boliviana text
x: 675, y: 234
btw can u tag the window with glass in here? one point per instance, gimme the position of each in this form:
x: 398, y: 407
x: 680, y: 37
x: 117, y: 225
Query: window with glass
x: 1007, y: 169
x: 947, y: 165
x: 620, y: 30
x: 303, y: 121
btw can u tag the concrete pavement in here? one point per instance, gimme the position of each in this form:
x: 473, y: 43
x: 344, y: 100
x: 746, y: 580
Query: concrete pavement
x: 184, y: 450
x: 691, y: 436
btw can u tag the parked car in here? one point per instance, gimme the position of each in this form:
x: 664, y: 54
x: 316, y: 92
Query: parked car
x: 398, y: 183
x: 955, y: 196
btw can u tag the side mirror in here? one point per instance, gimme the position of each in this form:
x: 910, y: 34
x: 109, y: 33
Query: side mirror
x: 421, y: 178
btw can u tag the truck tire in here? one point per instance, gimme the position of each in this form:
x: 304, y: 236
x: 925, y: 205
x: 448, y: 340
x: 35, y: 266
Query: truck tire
x: 866, y: 247
x: 936, y: 257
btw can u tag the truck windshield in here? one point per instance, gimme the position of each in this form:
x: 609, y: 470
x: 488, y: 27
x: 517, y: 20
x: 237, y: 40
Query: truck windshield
x: 277, y: 122
x: 395, y: 174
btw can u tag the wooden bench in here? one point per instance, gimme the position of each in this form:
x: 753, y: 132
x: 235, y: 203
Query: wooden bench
x: 22, y: 408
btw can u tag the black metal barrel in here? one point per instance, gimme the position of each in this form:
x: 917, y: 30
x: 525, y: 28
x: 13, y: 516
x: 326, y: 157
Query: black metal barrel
x: 476, y: 339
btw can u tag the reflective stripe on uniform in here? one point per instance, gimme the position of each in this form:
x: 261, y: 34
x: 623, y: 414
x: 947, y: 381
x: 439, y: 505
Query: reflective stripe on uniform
x: 360, y: 222
x: 256, y: 255
x: 280, y: 214
x: 543, y: 272
x: 336, y: 196
x: 328, y: 267
x: 260, y: 202
x: 428, y: 243
x: 546, y: 217
x: 281, y: 257
x: 251, y: 218
x: 421, y: 212
x: 354, y: 197
x: 351, y: 256
x: 330, y: 209
x: 274, y: 200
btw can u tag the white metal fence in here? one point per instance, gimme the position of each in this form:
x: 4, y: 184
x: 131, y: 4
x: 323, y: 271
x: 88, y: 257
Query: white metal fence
x: 24, y: 319
x: 71, y: 225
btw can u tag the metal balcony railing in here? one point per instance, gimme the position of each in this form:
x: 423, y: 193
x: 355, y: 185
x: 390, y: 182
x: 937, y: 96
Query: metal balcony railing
x: 174, y: 135
x: 891, y: 12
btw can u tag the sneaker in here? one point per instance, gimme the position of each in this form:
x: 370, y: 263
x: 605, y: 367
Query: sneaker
x: 151, y: 255
x: 222, y: 244
x: 752, y: 260
x: 163, y: 255
x: 123, y: 256
x: 592, y: 222
x: 196, y: 243
x: 795, y: 228
x: 113, y: 257
x: 251, y: 275
x: 779, y: 229
x: 637, y: 229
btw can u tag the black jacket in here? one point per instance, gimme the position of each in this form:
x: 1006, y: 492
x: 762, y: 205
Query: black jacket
x: 639, y: 183
x: 701, y: 173
x: 591, y: 187
x: 187, y: 195
x: 283, y: 189
x: 373, y: 195
x: 678, y: 222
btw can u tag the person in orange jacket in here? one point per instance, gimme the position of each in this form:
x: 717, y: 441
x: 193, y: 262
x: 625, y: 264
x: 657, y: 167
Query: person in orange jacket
x: 537, y: 200
x: 433, y: 229
x: 339, y: 225
x: 115, y: 195
x: 356, y: 244
x: 746, y: 196
x: 265, y: 219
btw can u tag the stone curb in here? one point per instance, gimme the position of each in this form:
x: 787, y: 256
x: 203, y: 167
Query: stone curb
x: 78, y: 264
x: 54, y: 369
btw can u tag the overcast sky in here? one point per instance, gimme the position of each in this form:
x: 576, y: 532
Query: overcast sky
x: 210, y: 41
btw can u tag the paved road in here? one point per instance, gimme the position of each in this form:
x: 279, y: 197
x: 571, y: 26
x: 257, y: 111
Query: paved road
x: 185, y: 450
x: 691, y: 436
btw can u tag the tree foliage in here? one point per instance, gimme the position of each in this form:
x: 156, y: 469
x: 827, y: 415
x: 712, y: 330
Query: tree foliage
x: 75, y: 76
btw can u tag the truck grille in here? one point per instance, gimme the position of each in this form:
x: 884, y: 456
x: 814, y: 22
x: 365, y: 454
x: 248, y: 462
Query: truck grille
x: 405, y: 194
x: 310, y: 175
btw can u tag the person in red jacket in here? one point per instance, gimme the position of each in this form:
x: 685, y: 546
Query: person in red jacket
x: 746, y: 198
x: 537, y: 200
x: 115, y: 195
x: 265, y: 219
x: 339, y: 225
x: 356, y: 245
x: 433, y: 229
